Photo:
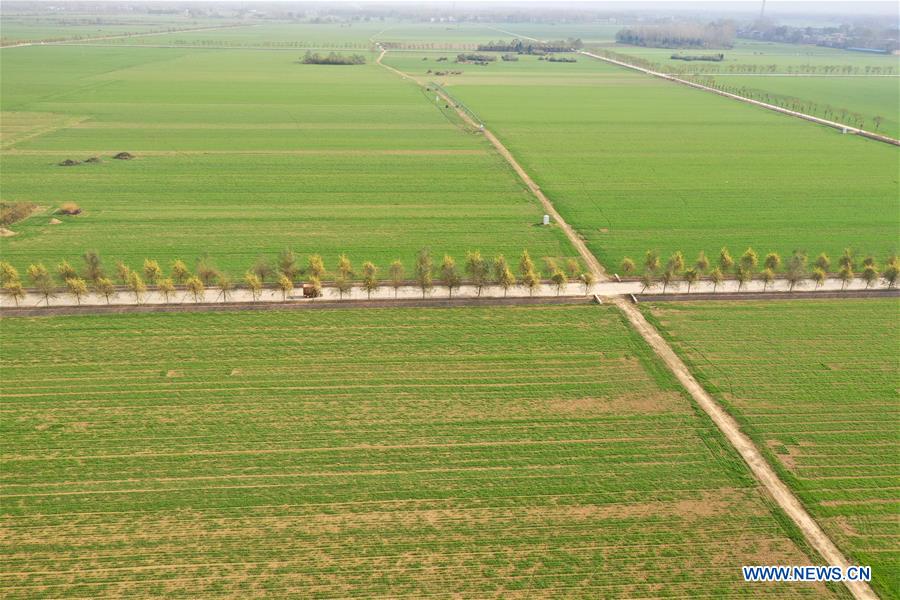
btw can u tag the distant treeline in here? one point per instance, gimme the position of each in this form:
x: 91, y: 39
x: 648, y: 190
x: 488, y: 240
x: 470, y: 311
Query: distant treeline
x: 471, y: 57
x: 314, y: 58
x: 680, y: 35
x: 860, y: 37
x: 706, y: 57
x: 532, y: 47
x: 563, y: 59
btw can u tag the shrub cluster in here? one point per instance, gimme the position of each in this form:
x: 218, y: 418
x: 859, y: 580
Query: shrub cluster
x: 701, y: 57
x: 332, y: 58
x: 532, y: 46
x: 680, y: 35
x: 11, y: 212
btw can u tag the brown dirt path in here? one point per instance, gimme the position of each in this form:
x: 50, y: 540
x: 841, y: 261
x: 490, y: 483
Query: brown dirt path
x: 590, y: 260
x: 760, y: 468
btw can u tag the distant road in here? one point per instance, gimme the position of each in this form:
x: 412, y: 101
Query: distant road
x: 124, y: 36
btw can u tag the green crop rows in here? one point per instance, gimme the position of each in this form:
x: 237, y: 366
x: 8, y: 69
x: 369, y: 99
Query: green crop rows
x: 635, y: 163
x: 516, y: 452
x: 244, y: 153
x: 816, y: 384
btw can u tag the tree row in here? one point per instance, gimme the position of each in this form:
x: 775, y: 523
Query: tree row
x: 749, y: 266
x: 282, y: 275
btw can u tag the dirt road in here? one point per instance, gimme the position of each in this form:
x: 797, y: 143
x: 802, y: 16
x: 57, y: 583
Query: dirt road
x: 590, y: 260
x: 760, y: 468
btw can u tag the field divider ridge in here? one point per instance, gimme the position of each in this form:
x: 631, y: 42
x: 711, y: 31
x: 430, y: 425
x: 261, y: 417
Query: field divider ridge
x: 590, y: 260
x: 759, y: 466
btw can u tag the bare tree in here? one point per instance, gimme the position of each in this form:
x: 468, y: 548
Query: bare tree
x: 397, y: 274
x: 287, y: 264
x: 573, y: 268
x: 286, y: 285
x: 749, y: 260
x: 123, y: 272
x: 45, y: 288
x: 206, y: 270
x: 846, y: 260
x: 370, y: 278
x: 77, y: 288
x: 37, y: 272
x: 627, y: 266
x: 93, y: 266
x: 794, y: 277
x: 716, y: 277
x: 768, y: 276
x: 845, y: 275
x: 195, y: 287
x: 588, y: 280
x: 137, y: 286
x: 315, y: 267
x: 262, y: 270
x: 744, y: 276
x: 559, y: 279
x: 890, y: 274
x: 166, y: 287
x: 525, y: 264
x: 15, y: 290
x: 531, y: 281
x: 105, y: 288
x: 822, y: 262
x: 870, y: 275
x: 225, y: 285
x: 152, y: 271
x: 667, y: 278
x: 66, y: 271
x: 647, y: 281
x: 253, y: 283
x: 772, y: 261
x: 345, y: 268
x: 690, y: 277
x: 424, y: 268
x: 725, y: 260
x: 315, y: 285
x: 343, y: 286
x: 818, y: 276
x: 477, y: 269
x: 651, y: 261
x: 8, y: 273
x: 180, y: 272
x: 702, y: 263
x: 449, y: 274
x: 676, y: 262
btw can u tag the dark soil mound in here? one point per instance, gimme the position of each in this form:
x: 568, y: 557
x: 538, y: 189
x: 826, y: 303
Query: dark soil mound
x: 124, y: 156
x: 69, y: 163
x: 93, y: 160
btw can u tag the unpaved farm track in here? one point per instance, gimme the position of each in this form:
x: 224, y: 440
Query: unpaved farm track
x: 288, y: 305
x: 760, y: 468
x: 592, y: 263
x: 75, y: 41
